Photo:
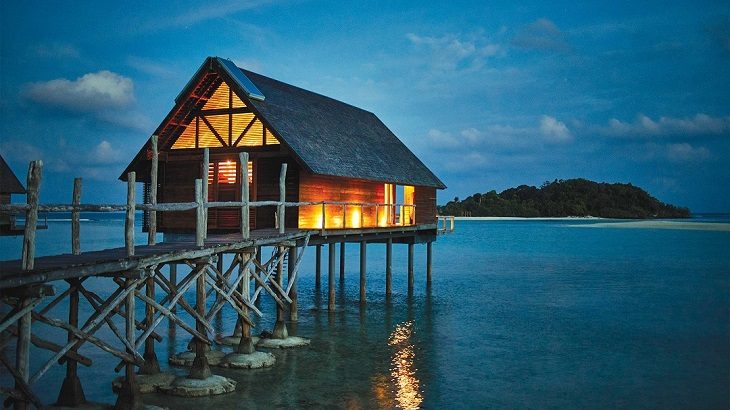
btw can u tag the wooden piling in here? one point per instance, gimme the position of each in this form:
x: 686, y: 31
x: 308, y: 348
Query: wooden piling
x: 129, y: 396
x: 294, y: 305
x: 331, y: 278
x: 245, y: 345
x: 363, y: 267
x: 200, y: 368
x: 429, y: 262
x: 342, y: 261
x: 410, y: 267
x: 151, y: 364
x: 76, y: 218
x: 129, y: 219
x: 282, y: 198
x: 152, y: 220
x: 388, y: 267
x: 280, y: 330
x: 318, y: 266
x: 35, y: 169
x: 199, y: 214
x: 72, y: 393
x: 173, y: 282
x: 245, y: 210
x: 22, y: 349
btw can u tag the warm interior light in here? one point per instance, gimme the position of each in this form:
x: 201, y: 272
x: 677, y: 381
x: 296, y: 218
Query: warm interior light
x: 354, y: 218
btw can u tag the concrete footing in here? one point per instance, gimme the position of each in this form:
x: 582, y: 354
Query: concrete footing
x: 148, y: 383
x: 234, y: 340
x: 286, y: 343
x: 186, y: 358
x: 255, y: 360
x: 187, y: 387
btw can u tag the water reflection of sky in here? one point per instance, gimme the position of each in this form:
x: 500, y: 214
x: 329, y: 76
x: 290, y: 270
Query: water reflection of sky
x: 403, y: 371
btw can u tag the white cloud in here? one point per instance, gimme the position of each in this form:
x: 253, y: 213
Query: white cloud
x: 151, y: 67
x: 92, y: 92
x: 686, y: 153
x: 644, y: 126
x: 554, y: 130
x: 451, y: 52
x: 206, y: 11
x: 541, y: 34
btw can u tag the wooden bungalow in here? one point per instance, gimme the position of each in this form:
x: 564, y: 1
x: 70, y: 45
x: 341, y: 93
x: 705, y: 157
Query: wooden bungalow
x: 9, y: 184
x: 335, y: 152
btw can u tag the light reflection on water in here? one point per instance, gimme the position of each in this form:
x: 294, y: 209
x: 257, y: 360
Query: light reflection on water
x: 403, y: 370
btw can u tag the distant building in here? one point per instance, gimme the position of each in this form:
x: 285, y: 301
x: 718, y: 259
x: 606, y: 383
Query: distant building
x: 334, y: 151
x: 9, y: 184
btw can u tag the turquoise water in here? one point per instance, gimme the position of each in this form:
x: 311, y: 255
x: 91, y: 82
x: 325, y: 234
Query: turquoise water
x: 525, y: 314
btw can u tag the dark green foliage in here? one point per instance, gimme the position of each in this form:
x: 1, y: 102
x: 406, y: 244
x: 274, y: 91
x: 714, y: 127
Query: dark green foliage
x: 561, y: 198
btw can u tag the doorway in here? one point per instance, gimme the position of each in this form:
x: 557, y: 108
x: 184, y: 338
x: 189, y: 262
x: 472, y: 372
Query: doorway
x: 224, y: 185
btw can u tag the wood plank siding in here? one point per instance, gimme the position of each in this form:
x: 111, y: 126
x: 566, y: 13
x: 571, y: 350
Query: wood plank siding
x: 425, y: 201
x: 267, y: 189
x: 324, y: 188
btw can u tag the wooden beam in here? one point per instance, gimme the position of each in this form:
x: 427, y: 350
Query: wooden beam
x: 22, y: 349
x: 200, y: 368
x: 223, y: 111
x: 245, y: 130
x: 205, y: 171
x: 199, y: 215
x: 410, y: 268
x: 75, y: 218
x: 363, y: 270
x: 245, y: 210
x: 280, y: 330
x: 388, y: 267
x: 282, y: 198
x: 318, y: 266
x: 35, y: 173
x: 152, y: 228
x: 129, y: 219
x: 342, y: 261
x: 331, y: 278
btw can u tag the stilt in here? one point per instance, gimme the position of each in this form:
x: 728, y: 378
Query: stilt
x: 331, y: 278
x: 72, y: 393
x: 246, y: 344
x: 429, y: 262
x: 410, y: 267
x: 388, y: 267
x: 342, y: 261
x: 200, y: 369
x: 22, y: 350
x: 318, y: 267
x: 129, y: 396
x: 280, y: 331
x: 151, y: 364
x: 256, y: 285
x: 363, y: 268
x: 294, y: 306
x: 173, y: 282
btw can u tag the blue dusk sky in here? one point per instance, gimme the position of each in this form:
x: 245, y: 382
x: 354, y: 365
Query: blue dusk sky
x: 488, y: 94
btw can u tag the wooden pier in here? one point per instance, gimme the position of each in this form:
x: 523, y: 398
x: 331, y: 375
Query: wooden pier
x: 191, y: 263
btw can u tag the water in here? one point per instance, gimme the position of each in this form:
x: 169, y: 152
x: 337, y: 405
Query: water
x: 521, y: 314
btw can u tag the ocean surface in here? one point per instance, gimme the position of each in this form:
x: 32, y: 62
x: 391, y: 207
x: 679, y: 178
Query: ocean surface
x: 521, y: 314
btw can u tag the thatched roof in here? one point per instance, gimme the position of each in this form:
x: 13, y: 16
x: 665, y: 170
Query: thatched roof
x: 9, y: 183
x: 327, y: 136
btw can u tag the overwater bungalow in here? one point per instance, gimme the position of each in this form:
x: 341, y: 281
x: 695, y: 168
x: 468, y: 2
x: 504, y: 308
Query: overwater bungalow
x: 9, y: 184
x: 336, y: 153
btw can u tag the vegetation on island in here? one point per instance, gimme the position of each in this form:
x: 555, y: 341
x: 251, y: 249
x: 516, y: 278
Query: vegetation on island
x: 564, y: 198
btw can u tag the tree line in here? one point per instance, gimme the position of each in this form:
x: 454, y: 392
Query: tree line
x: 563, y: 198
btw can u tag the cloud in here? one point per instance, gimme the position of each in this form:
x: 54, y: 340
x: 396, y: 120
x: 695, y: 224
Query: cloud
x: 643, y: 126
x: 554, y: 130
x: 207, y: 11
x: 686, y: 153
x: 542, y: 34
x: 451, y: 52
x: 92, y: 92
x: 150, y: 67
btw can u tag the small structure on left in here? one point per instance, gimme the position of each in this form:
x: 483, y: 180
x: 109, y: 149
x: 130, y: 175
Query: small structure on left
x: 9, y: 184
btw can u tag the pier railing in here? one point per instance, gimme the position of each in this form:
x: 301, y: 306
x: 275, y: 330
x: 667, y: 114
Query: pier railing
x: 445, y: 223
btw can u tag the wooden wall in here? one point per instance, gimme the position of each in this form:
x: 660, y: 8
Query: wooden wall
x: 177, y: 184
x: 325, y: 188
x: 425, y: 201
x: 267, y: 189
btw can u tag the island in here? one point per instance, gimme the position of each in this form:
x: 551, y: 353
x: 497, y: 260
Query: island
x: 566, y: 198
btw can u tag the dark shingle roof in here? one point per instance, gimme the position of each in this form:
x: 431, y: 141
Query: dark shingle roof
x: 9, y: 183
x: 334, y: 138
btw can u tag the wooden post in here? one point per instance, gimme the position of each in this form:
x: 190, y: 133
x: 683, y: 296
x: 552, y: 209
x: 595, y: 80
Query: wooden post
x: 331, y: 278
x: 344, y: 216
x: 429, y: 262
x: 151, y: 364
x: 35, y: 169
x: 318, y: 266
x: 152, y: 220
x: 282, y: 198
x: 129, y: 220
x: 294, y: 305
x: 257, y: 285
x: 204, y: 177
x: 129, y: 395
x: 72, y: 393
x: 75, y: 218
x: 410, y: 267
x: 324, y: 217
x: 342, y: 261
x: 200, y: 214
x: 280, y: 331
x: 245, y: 210
x: 388, y: 267
x: 363, y: 268
x: 173, y: 282
x: 200, y: 368
x: 22, y: 349
x: 245, y: 345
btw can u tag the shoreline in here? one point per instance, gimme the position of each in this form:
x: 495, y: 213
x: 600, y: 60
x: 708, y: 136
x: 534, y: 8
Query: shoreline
x: 524, y: 218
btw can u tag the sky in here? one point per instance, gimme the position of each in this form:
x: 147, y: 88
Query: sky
x: 489, y: 94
